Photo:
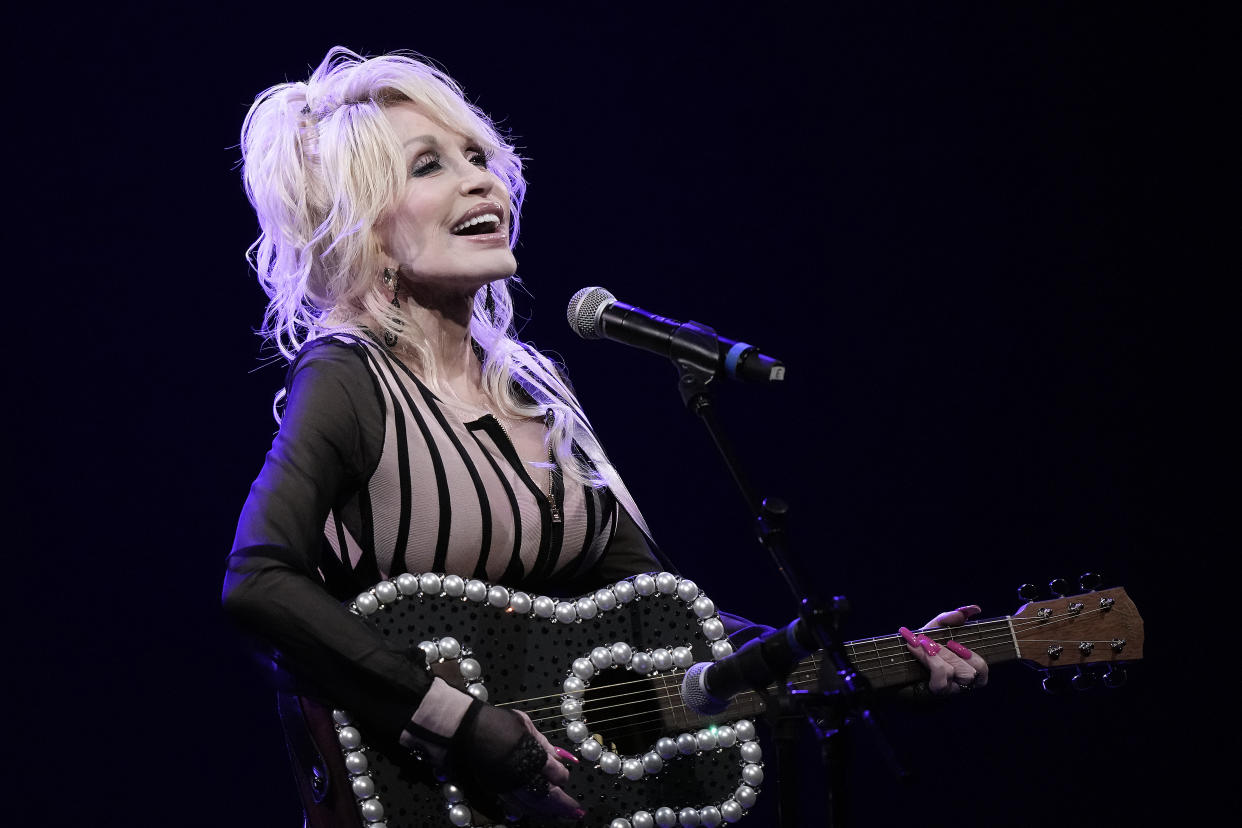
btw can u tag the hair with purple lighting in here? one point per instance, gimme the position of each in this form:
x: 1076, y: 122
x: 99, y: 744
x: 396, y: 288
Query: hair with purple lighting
x: 321, y: 164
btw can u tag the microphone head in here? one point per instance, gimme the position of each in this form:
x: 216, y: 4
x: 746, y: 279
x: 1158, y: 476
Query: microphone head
x: 584, y: 311
x: 694, y: 692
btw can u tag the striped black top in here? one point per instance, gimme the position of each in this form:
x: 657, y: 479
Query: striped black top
x: 372, y: 475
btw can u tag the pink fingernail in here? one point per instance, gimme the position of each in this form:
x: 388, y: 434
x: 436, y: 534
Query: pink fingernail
x: 970, y: 610
x: 564, y: 754
x: 927, y: 644
x: 958, y: 650
x: 908, y: 636
x: 579, y: 814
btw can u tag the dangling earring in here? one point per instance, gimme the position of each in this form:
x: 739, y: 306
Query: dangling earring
x: 489, y: 304
x: 391, y: 280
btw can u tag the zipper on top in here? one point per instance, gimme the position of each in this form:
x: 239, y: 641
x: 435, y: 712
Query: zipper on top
x: 550, y: 494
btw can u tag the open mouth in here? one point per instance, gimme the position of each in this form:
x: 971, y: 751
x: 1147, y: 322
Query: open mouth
x: 478, y: 226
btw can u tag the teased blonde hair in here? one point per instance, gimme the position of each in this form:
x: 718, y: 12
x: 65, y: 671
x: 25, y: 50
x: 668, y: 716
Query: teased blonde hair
x: 321, y: 165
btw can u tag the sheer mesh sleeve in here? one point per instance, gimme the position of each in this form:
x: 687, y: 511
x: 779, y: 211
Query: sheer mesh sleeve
x: 328, y: 444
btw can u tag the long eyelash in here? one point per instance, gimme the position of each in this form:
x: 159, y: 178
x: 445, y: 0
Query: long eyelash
x: 433, y: 161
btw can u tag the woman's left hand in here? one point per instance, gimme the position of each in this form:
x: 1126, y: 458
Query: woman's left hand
x: 953, y: 666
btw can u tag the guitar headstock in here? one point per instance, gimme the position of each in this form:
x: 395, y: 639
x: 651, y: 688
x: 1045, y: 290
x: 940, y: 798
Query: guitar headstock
x: 1095, y: 627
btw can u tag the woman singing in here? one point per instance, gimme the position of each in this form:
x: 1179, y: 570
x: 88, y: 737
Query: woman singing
x: 417, y: 433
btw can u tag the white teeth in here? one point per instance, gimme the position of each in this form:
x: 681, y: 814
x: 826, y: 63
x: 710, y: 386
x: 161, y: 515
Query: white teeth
x: 486, y: 217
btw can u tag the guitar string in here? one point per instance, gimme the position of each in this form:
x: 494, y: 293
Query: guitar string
x: 968, y: 634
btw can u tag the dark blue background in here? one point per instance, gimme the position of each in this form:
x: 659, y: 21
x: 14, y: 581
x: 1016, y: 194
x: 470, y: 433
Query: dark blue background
x: 955, y: 225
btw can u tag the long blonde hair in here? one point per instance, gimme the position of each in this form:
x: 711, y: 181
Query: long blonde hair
x: 321, y: 164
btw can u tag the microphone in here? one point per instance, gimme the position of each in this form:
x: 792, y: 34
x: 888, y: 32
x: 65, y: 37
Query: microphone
x: 707, y: 686
x: 594, y: 313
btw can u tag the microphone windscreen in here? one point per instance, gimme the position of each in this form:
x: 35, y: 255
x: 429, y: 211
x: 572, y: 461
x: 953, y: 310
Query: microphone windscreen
x: 584, y: 310
x: 694, y: 691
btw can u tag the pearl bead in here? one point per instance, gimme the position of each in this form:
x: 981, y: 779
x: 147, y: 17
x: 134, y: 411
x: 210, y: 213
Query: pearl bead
x: 745, y: 729
x: 386, y: 591
x: 356, y: 762
x: 366, y: 603
x: 751, y: 751
x: 591, y: 750
x: 624, y: 590
x: 652, y: 763
x: 725, y: 737
x: 666, y: 583
x: 587, y: 608
x: 687, y: 590
x: 666, y: 747
x: 340, y: 717
x: 641, y: 663
x: 662, y: 659
x: 363, y: 786
x: 520, y: 602
x: 407, y: 583
x: 601, y: 657
x: 430, y: 650
x: 710, y: 816
x: 687, y: 744
x: 452, y: 793
x: 349, y: 737
x: 704, y: 607
x: 619, y: 822
x: 573, y: 686
x: 752, y: 774
x: 449, y: 647
x: 583, y: 668
x: 705, y: 739
x: 543, y: 606
x: 459, y: 815
x: 683, y: 657
x: 642, y: 819
x: 746, y: 796
x: 632, y: 769
x: 571, y: 709
x: 576, y: 731
x: 498, y: 597
x: 470, y: 669
x: 665, y: 817
x: 372, y: 810
x: 713, y: 629
x: 621, y: 653
x: 644, y: 585
x: 605, y: 599
x: 688, y: 817
x: 566, y: 613
x: 721, y: 648
x: 476, y: 591
x: 454, y: 586
x: 429, y: 583
x: 478, y: 691
x: 731, y: 810
x: 610, y: 763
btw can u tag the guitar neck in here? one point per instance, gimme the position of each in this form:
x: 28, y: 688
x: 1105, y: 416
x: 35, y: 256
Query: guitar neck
x: 883, y: 661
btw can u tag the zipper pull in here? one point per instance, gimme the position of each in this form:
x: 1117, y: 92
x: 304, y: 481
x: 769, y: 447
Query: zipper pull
x: 556, y: 512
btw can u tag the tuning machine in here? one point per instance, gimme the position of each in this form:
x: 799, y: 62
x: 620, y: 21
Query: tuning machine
x: 1115, y: 677
x: 1055, y: 682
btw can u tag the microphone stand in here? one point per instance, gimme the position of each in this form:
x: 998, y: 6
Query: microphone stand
x: 825, y: 714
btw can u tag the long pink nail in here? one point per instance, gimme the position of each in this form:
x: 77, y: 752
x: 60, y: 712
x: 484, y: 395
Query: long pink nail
x: 579, y: 814
x: 958, y: 650
x: 564, y: 754
x: 970, y: 611
x: 908, y: 636
x: 927, y: 644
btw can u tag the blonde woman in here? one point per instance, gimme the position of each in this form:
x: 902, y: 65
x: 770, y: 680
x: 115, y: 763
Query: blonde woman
x: 417, y: 433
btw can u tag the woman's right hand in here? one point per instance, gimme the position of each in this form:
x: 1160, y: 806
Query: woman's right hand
x: 500, y: 751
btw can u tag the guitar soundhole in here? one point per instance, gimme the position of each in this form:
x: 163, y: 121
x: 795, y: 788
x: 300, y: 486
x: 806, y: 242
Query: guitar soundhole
x: 623, y: 709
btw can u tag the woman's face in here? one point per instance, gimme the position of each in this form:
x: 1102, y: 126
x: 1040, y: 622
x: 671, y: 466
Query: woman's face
x: 449, y: 230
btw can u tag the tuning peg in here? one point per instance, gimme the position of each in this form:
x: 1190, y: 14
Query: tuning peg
x: 1058, y: 587
x: 1054, y: 683
x: 1115, y: 677
x: 1090, y: 581
x: 1085, y: 680
x: 1028, y: 592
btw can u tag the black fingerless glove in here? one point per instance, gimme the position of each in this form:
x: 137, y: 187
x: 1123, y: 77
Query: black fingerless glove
x: 493, y: 749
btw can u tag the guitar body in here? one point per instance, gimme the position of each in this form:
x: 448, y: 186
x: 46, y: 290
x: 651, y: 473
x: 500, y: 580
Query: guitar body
x: 598, y: 676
